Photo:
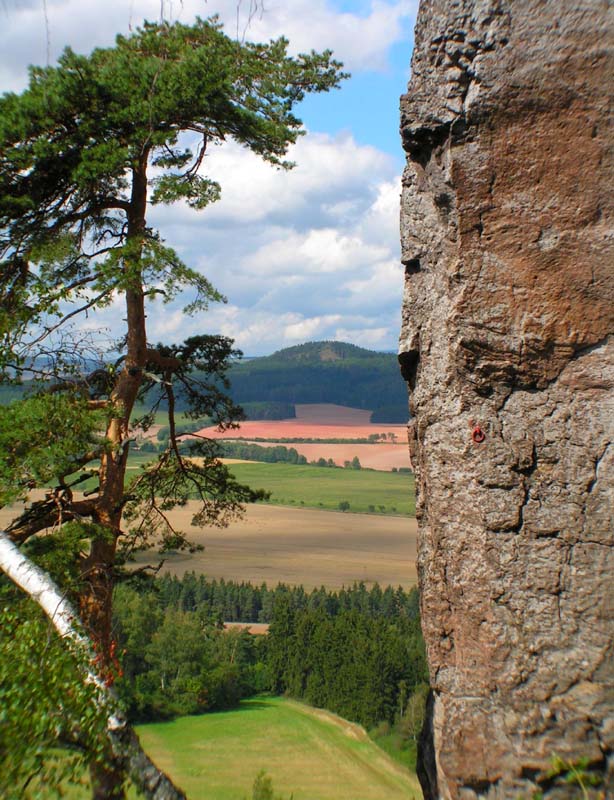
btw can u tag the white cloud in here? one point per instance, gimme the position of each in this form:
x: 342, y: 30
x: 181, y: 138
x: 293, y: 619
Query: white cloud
x: 360, y: 39
x: 328, y: 181
x: 308, y: 254
x: 297, y: 268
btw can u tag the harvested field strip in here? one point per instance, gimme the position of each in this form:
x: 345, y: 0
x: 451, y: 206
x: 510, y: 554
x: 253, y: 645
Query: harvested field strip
x: 297, y: 546
x: 314, y: 755
x: 371, y: 456
x: 308, y: 547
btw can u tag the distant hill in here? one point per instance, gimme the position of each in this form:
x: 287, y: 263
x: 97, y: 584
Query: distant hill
x: 314, y: 372
x: 318, y: 352
x: 324, y: 372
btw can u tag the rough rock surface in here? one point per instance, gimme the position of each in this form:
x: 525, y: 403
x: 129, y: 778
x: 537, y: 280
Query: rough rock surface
x: 507, y: 346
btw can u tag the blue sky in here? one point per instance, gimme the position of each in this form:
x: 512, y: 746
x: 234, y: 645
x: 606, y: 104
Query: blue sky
x: 309, y: 254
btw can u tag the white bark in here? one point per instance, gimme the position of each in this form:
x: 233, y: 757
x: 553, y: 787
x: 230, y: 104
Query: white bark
x: 124, y: 742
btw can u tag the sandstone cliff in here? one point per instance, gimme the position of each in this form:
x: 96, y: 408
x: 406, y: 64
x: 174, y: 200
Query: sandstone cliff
x: 508, y: 246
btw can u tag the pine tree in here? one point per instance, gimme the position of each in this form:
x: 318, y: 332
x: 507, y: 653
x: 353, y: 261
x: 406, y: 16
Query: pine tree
x: 84, y: 151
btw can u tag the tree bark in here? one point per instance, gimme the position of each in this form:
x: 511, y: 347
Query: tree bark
x: 98, y: 567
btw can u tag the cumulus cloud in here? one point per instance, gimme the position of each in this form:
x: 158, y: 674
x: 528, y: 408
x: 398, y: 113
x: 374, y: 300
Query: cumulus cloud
x: 361, y: 39
x: 306, y: 254
x: 314, y: 256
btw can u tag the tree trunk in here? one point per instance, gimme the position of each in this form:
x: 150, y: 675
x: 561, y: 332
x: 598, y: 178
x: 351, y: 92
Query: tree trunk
x: 98, y: 568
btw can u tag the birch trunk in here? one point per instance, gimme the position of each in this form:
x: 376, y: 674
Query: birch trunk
x: 125, y: 748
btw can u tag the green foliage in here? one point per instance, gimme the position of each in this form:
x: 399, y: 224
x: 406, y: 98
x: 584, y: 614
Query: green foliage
x: 61, y: 555
x: 254, y: 452
x: 178, y: 662
x: 400, y: 738
x: 244, y: 602
x: 576, y: 773
x: 181, y: 428
x: 43, y: 437
x: 263, y: 788
x: 44, y: 705
x: 269, y: 410
x: 352, y: 663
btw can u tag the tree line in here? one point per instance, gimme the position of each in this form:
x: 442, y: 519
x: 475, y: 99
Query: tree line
x: 230, y: 601
x: 357, y: 652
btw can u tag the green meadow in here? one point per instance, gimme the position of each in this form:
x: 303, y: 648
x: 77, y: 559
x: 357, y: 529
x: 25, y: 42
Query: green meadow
x: 306, y: 486
x: 325, y: 487
x: 311, y: 754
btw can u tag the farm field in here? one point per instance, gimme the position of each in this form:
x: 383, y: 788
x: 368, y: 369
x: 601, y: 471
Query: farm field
x: 274, y: 430
x: 295, y: 544
x: 314, y: 421
x: 331, y: 413
x: 372, y: 456
x: 367, y: 491
x: 299, y: 546
x: 310, y: 753
x: 325, y: 487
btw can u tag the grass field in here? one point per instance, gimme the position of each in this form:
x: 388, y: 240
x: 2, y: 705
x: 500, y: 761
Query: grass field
x: 322, y: 487
x: 310, y: 753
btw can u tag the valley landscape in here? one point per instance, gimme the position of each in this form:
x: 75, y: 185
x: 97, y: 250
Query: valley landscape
x: 344, y: 520
x: 285, y: 656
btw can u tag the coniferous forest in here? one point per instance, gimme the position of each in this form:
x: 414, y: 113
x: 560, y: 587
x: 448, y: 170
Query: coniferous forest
x: 357, y: 652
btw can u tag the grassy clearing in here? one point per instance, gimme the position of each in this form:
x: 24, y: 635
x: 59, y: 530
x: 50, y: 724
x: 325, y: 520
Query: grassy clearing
x: 312, y: 754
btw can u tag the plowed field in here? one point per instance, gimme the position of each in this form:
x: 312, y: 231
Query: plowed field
x: 322, y: 421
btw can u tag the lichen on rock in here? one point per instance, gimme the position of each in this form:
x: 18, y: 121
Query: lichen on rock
x: 507, y: 348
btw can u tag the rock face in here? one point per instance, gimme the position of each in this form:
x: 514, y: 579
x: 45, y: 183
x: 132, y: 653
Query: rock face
x: 508, y: 246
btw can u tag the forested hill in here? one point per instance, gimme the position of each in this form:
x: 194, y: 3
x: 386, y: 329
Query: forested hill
x: 316, y: 372
x: 322, y: 352
x: 324, y: 372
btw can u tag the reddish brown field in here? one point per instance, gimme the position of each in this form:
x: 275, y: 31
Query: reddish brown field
x: 315, y: 421
x: 331, y: 414
x: 372, y: 456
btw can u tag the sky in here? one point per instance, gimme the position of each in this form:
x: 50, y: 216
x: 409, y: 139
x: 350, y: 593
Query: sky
x: 303, y: 255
